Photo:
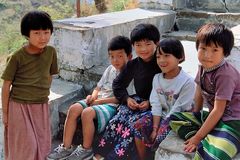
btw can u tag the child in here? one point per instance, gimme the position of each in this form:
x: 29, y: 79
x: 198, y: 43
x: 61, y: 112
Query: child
x: 27, y: 79
x: 214, y: 134
x: 172, y: 91
x: 100, y: 105
x: 118, y: 140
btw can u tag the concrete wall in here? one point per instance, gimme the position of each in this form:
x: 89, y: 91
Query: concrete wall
x: 81, y: 43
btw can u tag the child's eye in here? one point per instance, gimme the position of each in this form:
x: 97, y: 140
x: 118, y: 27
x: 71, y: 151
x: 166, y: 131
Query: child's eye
x: 46, y: 32
x: 215, y: 50
x: 202, y: 48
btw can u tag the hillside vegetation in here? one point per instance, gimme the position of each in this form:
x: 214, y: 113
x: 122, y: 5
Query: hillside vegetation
x: 11, y: 12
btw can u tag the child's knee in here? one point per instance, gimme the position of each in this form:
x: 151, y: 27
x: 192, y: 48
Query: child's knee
x: 75, y: 110
x: 88, y: 113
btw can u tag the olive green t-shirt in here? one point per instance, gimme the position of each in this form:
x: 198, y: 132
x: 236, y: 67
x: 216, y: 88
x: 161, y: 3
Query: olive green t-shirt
x: 30, y: 75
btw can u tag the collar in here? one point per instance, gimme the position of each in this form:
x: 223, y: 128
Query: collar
x: 214, y: 67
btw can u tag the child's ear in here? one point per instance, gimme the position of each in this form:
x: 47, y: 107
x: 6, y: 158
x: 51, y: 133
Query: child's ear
x: 181, y: 59
x: 130, y: 56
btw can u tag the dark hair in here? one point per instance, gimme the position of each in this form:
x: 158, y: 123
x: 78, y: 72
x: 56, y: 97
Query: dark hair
x: 171, y: 46
x: 35, y: 20
x: 217, y: 34
x: 145, y: 32
x: 120, y: 42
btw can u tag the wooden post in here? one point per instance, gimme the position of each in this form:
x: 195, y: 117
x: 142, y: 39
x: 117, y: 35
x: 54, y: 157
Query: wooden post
x: 78, y: 8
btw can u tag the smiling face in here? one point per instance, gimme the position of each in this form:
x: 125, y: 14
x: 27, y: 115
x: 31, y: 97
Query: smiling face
x: 119, y: 58
x: 145, y: 49
x: 210, y: 55
x: 38, y: 39
x: 168, y: 63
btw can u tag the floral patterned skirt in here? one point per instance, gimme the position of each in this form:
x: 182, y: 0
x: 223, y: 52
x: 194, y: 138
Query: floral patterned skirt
x: 117, y: 142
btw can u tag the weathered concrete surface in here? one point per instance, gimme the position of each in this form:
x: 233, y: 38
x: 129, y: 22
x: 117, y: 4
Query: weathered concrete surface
x: 81, y: 43
x: 190, y: 65
x: 181, y: 35
x: 234, y: 58
x: 171, y: 148
x: 206, y: 5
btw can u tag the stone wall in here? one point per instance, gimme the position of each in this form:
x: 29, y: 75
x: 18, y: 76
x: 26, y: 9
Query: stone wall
x: 191, y: 14
x: 222, y: 6
x: 189, y: 20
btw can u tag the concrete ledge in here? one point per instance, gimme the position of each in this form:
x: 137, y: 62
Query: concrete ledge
x: 171, y: 148
x: 62, y: 94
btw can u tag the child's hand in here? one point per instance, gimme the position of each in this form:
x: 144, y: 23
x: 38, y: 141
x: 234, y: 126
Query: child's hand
x: 153, y: 135
x: 132, y: 103
x: 95, y: 102
x: 89, y: 99
x: 144, y: 105
x: 191, y: 144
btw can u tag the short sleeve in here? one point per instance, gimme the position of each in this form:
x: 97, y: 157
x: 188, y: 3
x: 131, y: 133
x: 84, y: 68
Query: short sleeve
x: 197, y: 78
x: 104, y: 77
x: 54, y: 65
x: 11, y: 68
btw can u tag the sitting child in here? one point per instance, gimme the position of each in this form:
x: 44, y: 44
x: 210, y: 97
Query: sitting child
x: 172, y: 91
x: 214, y: 134
x: 117, y: 142
x: 100, y: 105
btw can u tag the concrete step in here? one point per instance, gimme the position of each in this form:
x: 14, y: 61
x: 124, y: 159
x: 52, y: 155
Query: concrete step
x: 171, y: 148
x: 62, y: 94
